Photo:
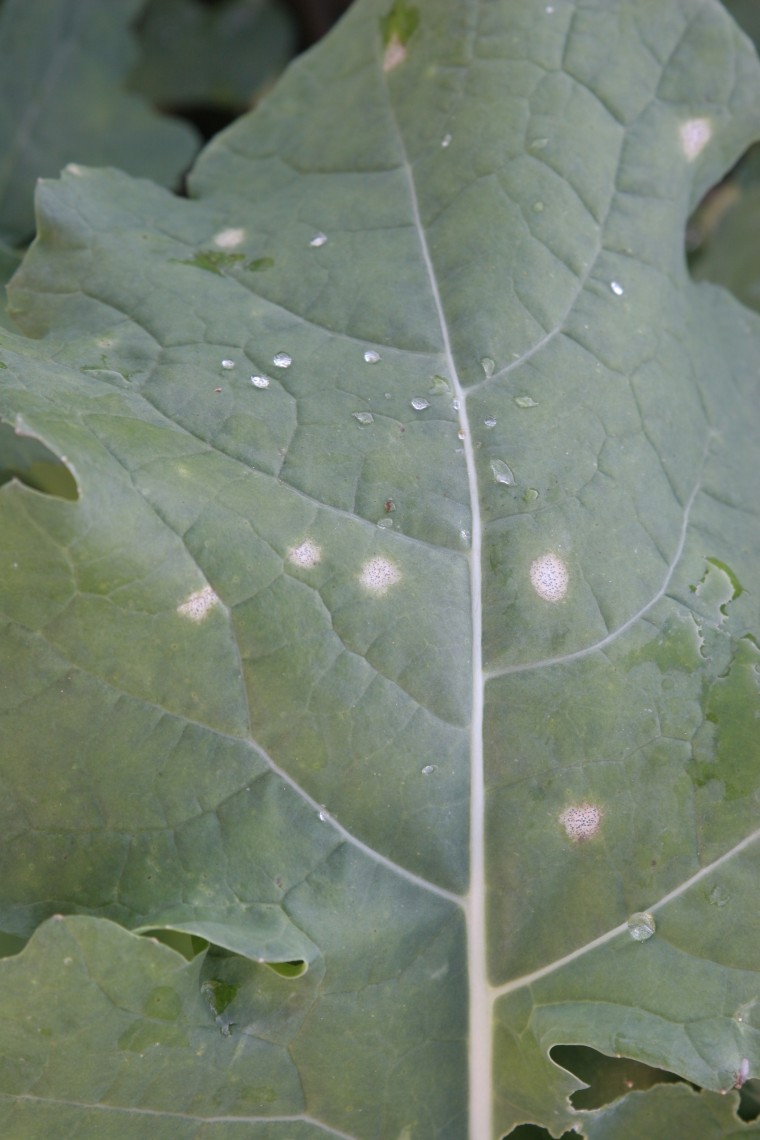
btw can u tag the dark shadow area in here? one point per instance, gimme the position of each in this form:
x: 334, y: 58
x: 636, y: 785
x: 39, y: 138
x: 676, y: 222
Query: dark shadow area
x: 27, y: 459
x: 723, y: 233
x: 607, y: 1077
x: 534, y: 1132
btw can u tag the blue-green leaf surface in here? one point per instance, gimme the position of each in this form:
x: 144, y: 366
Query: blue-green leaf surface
x: 62, y: 99
x: 402, y: 639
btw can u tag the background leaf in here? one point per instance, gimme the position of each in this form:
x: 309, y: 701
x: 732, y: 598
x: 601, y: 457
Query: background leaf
x: 62, y: 100
x: 437, y: 763
x: 193, y: 54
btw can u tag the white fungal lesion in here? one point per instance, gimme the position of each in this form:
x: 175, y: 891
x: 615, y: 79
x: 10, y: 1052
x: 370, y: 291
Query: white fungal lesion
x: 549, y: 577
x: 199, y: 604
x: 581, y: 821
x: 395, y: 54
x: 229, y: 239
x: 379, y: 574
x: 306, y: 554
x: 695, y: 134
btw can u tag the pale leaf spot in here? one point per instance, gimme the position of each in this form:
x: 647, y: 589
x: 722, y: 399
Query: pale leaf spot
x: 199, y: 604
x: 549, y: 577
x: 75, y: 168
x: 395, y: 53
x: 307, y: 554
x: 695, y: 135
x: 229, y: 239
x: 378, y: 574
x: 581, y: 821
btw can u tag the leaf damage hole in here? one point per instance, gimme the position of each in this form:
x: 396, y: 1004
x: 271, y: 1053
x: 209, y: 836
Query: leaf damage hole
x: 26, y: 458
x: 607, y: 1078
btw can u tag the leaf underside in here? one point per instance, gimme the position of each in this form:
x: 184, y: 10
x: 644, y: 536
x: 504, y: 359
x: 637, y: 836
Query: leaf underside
x: 415, y: 666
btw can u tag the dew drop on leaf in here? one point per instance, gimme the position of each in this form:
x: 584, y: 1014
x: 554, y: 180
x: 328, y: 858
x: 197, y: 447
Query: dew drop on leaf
x: 488, y: 365
x: 318, y: 240
x: 363, y: 418
x: 228, y: 364
x: 641, y: 925
x: 419, y: 403
x: 260, y: 381
x: 617, y: 288
x: 490, y: 422
x: 371, y: 357
x: 282, y: 360
x: 525, y: 402
x: 428, y: 769
x: 502, y: 473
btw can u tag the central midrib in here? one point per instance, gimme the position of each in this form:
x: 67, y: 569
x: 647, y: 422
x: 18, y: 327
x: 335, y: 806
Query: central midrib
x: 480, y: 1048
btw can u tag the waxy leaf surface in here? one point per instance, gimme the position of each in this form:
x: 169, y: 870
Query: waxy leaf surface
x: 402, y: 639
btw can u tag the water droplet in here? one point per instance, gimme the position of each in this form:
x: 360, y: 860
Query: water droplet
x: 455, y: 405
x: 364, y: 418
x: 318, y: 240
x: 488, y: 365
x: 617, y: 288
x: 525, y: 402
x: 538, y: 207
x: 490, y: 422
x: 539, y: 144
x: 385, y: 524
x: 324, y: 815
x: 465, y: 535
x: 371, y: 357
x: 641, y: 925
x: 460, y: 433
x: 429, y: 769
x: 531, y: 494
x: 446, y: 141
x: 260, y: 381
x: 549, y: 9
x: 419, y: 403
x: 282, y: 360
x: 439, y: 387
x: 228, y: 364
x: 501, y: 472
x: 719, y: 896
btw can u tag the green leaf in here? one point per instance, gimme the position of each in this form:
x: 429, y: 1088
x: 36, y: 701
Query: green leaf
x: 303, y: 673
x: 62, y: 100
x: 195, y: 54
